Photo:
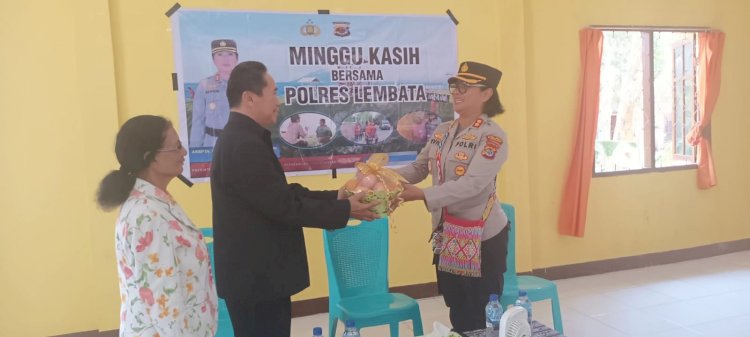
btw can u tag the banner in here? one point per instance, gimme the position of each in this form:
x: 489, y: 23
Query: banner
x: 350, y: 85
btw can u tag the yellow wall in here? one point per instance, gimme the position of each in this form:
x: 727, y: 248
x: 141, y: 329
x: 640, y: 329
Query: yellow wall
x: 71, y: 71
x: 633, y: 214
x: 57, y: 121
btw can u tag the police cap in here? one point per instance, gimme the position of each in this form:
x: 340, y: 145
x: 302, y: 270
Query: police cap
x: 477, y: 73
x: 223, y: 45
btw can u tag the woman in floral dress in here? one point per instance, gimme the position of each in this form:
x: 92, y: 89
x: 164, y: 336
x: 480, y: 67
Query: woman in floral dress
x: 166, y: 283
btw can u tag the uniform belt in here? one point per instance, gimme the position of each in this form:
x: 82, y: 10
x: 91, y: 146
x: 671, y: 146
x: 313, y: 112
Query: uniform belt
x: 213, y: 132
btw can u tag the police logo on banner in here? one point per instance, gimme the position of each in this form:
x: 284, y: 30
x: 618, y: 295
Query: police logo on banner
x: 341, y: 28
x: 309, y: 29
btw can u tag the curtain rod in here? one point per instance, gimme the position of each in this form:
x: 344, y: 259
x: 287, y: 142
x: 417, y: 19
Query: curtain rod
x: 652, y: 28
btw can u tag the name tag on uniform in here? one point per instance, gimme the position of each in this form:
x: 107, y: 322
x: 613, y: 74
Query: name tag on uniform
x: 466, y: 144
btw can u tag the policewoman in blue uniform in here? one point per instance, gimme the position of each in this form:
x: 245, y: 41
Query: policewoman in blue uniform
x: 210, y: 105
x: 470, y: 232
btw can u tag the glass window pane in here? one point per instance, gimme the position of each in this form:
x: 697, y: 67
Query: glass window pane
x: 674, y: 97
x: 689, y: 71
x: 678, y: 135
x: 679, y: 99
x: 690, y: 101
x: 620, y: 128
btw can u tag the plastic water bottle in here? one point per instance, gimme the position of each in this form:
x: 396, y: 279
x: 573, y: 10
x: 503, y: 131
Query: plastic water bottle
x: 351, y: 329
x: 493, y: 311
x: 523, y: 301
x: 317, y: 331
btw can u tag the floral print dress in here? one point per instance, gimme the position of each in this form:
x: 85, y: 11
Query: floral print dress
x: 166, y: 282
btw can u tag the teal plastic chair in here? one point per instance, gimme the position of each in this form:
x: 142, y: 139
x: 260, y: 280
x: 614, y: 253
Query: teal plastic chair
x: 537, y: 288
x: 224, y: 328
x: 357, y: 263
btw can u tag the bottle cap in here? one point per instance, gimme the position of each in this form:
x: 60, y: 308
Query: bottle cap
x: 350, y: 323
x: 317, y: 331
x: 522, y: 292
x: 493, y: 297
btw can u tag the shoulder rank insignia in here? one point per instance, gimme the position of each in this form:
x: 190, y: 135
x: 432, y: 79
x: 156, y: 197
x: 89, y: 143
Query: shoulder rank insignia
x: 469, y: 136
x: 461, y: 156
x: 478, y: 123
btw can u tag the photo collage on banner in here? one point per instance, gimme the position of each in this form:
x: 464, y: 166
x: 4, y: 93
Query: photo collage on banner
x: 349, y: 85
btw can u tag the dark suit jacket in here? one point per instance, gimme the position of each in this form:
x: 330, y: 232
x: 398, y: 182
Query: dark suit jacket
x: 258, y: 217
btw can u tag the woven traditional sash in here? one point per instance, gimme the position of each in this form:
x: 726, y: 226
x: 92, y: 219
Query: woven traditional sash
x: 458, y: 240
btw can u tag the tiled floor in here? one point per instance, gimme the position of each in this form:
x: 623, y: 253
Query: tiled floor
x: 706, y: 297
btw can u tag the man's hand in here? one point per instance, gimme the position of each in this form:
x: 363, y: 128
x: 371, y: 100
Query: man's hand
x: 341, y: 194
x: 360, y: 210
x: 412, y: 192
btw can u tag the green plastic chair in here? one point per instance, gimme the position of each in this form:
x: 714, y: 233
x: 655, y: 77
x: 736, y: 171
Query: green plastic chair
x: 537, y: 288
x: 357, y: 263
x: 224, y: 328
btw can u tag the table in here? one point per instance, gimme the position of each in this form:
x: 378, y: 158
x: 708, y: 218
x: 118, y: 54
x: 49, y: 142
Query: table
x: 537, y: 330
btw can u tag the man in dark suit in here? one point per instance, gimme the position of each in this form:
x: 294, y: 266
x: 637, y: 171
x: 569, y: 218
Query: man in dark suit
x: 258, y: 216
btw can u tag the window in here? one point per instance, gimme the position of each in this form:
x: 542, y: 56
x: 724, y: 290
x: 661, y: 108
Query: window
x: 647, y: 101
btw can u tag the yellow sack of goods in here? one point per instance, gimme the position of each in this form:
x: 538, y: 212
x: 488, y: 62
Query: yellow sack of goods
x: 379, y: 183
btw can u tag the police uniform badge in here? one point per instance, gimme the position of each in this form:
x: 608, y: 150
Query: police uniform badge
x: 491, y: 146
x: 495, y: 139
x: 462, y: 156
x: 489, y: 152
x: 460, y: 170
x: 469, y: 136
x: 438, y: 136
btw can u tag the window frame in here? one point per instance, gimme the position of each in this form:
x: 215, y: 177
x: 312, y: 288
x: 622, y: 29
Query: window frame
x: 647, y: 54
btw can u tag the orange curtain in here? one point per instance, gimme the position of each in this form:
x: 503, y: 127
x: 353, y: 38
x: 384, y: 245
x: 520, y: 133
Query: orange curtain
x: 572, y: 217
x: 711, y: 48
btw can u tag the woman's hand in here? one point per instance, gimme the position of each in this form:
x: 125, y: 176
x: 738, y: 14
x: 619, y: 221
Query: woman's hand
x: 412, y: 192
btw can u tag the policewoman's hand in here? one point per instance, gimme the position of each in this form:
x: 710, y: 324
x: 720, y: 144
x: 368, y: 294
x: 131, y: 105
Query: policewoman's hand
x: 411, y: 192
